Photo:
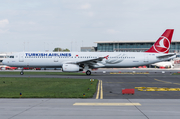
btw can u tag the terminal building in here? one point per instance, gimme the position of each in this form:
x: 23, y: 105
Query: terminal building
x: 132, y: 46
x: 88, y: 49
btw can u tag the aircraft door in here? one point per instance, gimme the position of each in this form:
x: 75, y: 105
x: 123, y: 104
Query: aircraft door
x: 21, y: 57
x: 55, y: 58
x: 146, y: 59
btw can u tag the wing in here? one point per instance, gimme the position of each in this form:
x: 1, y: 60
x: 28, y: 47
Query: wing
x: 91, y: 61
x: 165, y: 56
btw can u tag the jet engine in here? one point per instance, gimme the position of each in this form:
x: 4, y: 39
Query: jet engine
x: 71, y: 68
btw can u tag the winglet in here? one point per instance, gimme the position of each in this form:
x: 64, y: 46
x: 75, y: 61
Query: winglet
x: 162, y: 45
x: 106, y: 56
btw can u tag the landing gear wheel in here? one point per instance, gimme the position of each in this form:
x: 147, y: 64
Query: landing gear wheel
x: 88, y: 72
x: 21, y: 73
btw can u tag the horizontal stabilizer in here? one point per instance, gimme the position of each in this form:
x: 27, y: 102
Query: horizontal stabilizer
x: 166, y: 56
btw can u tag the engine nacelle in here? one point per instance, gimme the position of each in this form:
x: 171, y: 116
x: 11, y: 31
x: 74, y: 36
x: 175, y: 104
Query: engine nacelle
x: 70, y: 68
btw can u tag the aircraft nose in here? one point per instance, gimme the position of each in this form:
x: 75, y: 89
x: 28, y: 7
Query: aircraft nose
x: 4, y: 62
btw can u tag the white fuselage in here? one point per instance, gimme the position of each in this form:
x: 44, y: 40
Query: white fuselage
x: 57, y: 59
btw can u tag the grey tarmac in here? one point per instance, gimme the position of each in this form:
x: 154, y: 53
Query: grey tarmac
x: 64, y: 109
x: 150, y: 104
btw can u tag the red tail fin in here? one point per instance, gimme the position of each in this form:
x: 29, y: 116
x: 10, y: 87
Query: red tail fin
x: 163, y: 43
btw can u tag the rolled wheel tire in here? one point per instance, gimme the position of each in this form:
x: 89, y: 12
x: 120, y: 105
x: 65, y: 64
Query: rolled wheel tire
x: 88, y: 72
x: 21, y: 73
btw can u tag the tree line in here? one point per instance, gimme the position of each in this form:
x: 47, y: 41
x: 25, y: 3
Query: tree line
x: 61, y: 50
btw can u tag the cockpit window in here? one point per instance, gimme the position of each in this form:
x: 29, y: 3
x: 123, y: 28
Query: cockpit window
x: 11, y: 56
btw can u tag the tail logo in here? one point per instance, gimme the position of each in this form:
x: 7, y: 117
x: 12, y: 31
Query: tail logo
x: 162, y: 45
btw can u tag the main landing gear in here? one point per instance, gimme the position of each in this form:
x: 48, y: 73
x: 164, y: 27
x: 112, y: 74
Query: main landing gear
x: 22, y: 73
x: 88, y: 72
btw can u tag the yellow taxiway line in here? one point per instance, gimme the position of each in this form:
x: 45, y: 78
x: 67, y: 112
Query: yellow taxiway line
x: 100, y: 90
x: 163, y: 81
x: 167, y: 82
x: 107, y: 104
x: 129, y: 73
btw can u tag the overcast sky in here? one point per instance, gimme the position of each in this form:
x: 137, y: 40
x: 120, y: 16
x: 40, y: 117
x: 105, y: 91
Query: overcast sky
x: 39, y: 25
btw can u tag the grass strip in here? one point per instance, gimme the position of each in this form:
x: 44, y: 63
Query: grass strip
x: 176, y: 74
x: 46, y: 88
x: 39, y: 73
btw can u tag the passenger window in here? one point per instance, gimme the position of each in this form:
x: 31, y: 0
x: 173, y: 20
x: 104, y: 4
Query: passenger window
x: 11, y: 56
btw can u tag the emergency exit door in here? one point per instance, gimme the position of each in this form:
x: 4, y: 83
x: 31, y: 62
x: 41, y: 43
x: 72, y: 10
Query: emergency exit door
x: 21, y: 57
x: 146, y: 59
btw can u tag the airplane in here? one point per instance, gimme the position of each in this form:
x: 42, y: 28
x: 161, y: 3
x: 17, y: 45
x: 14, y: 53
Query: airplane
x: 85, y: 61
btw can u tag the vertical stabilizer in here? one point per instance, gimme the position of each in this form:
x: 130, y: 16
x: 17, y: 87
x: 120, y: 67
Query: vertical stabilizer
x: 162, y: 45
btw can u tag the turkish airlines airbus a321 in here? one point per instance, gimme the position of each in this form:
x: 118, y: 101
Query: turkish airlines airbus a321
x: 79, y: 61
